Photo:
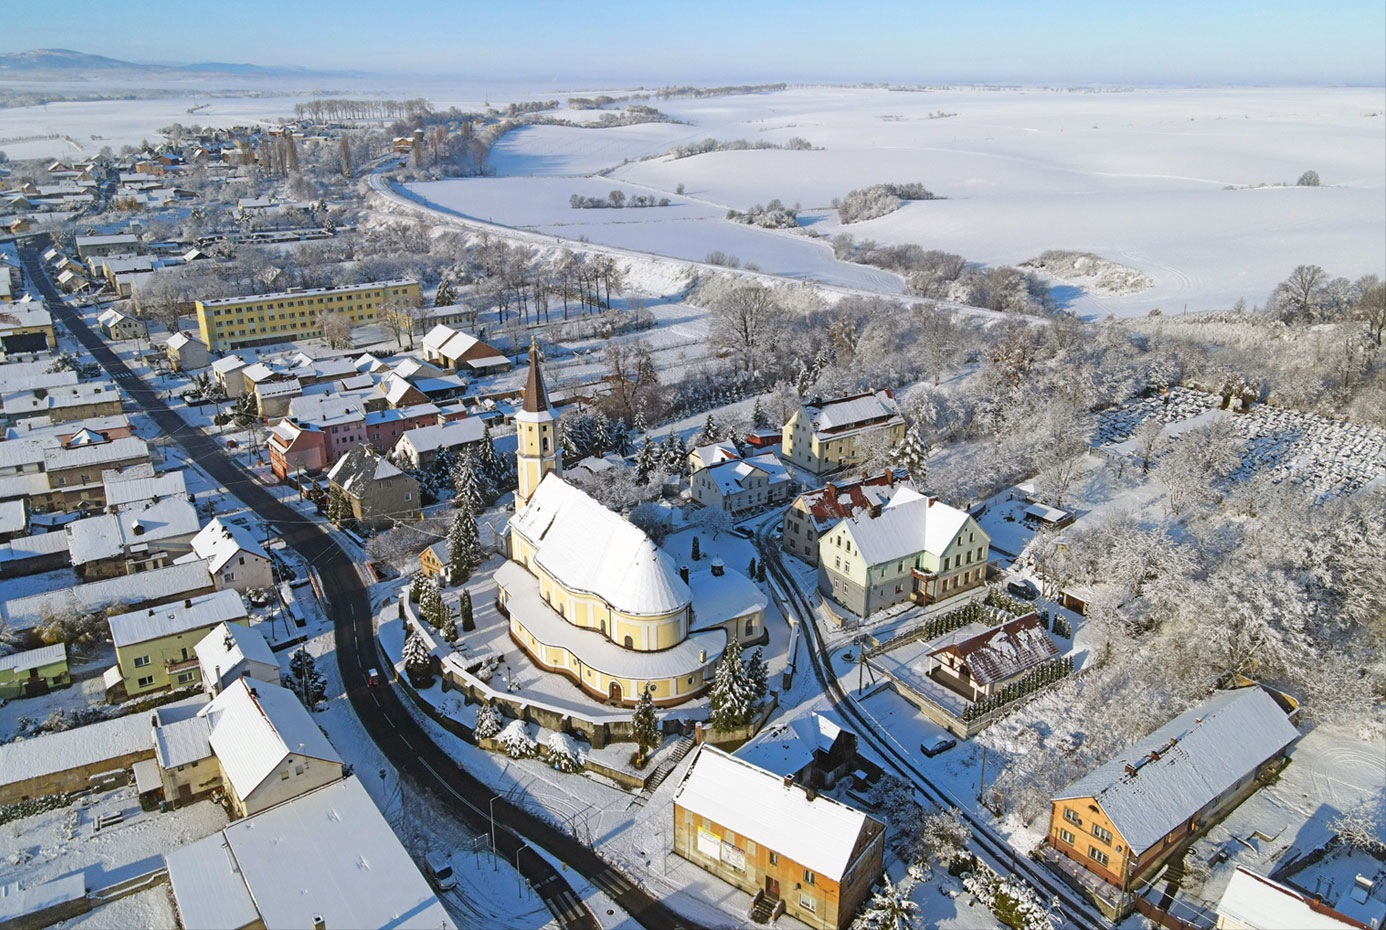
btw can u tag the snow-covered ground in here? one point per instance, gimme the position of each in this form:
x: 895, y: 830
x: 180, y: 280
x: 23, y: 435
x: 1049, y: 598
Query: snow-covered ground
x: 1137, y: 178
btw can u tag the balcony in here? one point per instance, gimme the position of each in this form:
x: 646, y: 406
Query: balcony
x: 180, y: 665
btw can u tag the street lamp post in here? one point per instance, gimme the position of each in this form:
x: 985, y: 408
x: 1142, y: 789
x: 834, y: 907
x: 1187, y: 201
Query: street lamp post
x: 491, y: 806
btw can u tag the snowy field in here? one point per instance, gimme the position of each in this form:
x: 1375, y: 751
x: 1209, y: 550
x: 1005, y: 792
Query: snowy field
x: 1135, y: 177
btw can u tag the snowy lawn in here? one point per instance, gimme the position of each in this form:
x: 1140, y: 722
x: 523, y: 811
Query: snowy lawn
x: 151, y: 909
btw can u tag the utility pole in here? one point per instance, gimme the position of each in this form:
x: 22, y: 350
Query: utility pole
x: 981, y: 779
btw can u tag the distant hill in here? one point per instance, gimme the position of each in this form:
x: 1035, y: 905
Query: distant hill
x: 40, y: 60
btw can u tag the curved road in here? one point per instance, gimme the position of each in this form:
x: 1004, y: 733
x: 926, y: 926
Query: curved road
x: 1076, y: 910
x: 402, y: 741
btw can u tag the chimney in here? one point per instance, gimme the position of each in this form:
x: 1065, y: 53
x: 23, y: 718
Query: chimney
x: 875, y: 511
x: 789, y: 781
x: 1130, y: 769
x: 153, y: 720
x: 718, y: 568
x: 810, y: 792
x: 187, y: 603
x: 890, y: 477
x: 683, y: 573
x: 319, y: 923
x: 702, y: 655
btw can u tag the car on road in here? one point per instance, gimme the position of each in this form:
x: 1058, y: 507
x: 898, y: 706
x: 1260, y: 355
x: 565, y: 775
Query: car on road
x: 937, y: 744
x: 1025, y: 590
x: 373, y: 677
x: 439, y: 871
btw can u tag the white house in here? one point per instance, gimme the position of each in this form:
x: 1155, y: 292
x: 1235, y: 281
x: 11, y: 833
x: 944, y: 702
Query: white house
x: 119, y: 326
x: 234, y: 556
x: 327, y: 859
x: 186, y: 353
x: 420, y: 446
x: 739, y: 485
x: 231, y: 652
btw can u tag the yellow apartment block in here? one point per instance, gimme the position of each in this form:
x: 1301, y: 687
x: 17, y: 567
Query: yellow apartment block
x: 232, y: 322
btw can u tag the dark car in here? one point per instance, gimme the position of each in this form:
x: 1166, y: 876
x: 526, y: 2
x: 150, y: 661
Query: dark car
x: 1024, y: 590
x: 936, y: 745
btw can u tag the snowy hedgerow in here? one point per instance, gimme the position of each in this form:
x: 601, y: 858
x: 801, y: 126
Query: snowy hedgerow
x: 516, y: 741
x: 564, y: 754
x: 488, y: 721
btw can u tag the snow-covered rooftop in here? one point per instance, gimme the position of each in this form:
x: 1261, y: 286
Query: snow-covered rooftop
x: 219, y: 542
x: 169, y: 582
x: 719, y: 598
x: 1253, y: 900
x: 588, y: 548
x: 819, y: 834
x: 255, y: 725
x: 180, y: 734
x: 851, y: 412
x: 208, y: 610
x: 123, y: 489
x: 229, y: 644
x: 1004, y: 651
x: 108, y: 535
x: 1166, y: 778
x: 13, y: 517
x: 327, y: 853
x: 731, y: 475
x: 117, y: 450
x: 33, y: 658
x: 445, y: 436
x: 908, y: 524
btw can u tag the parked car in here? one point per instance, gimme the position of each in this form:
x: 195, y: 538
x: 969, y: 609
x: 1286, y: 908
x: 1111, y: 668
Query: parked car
x: 1025, y: 590
x: 935, y: 745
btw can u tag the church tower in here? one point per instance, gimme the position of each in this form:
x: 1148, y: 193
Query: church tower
x: 536, y: 432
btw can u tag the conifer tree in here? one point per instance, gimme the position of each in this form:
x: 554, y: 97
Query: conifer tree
x: 912, y: 454
x: 731, y: 690
x: 418, y: 664
x: 697, y: 552
x: 645, y: 725
x: 756, y: 673
x: 338, y: 507
x: 758, y: 418
x: 465, y: 609
x: 464, y: 547
x: 467, y: 486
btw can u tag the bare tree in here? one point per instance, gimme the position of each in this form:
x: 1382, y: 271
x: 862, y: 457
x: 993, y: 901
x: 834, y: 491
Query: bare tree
x: 335, y: 327
x: 395, y: 314
x: 345, y: 143
x: 745, y: 323
x: 1147, y: 438
x: 1299, y: 294
x: 1371, y: 306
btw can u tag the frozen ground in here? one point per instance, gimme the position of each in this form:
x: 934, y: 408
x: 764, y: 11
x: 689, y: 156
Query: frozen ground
x: 1137, y: 178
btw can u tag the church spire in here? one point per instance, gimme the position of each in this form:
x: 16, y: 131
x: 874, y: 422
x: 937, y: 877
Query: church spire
x: 536, y: 397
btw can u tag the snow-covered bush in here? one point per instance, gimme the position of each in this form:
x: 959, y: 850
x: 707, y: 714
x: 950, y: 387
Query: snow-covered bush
x: 516, y: 741
x: 1013, y: 901
x: 890, y: 909
x: 868, y: 203
x: 564, y: 754
x: 488, y: 721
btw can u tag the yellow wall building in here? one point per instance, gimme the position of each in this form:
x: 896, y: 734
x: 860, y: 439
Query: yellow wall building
x: 155, y: 646
x: 827, y: 436
x: 230, y: 322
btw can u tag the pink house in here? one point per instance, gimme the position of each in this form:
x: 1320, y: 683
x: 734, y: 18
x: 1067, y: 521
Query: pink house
x: 294, y: 447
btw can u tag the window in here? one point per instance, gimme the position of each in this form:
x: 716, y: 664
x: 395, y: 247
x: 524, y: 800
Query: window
x: 1072, y: 816
x: 808, y: 877
x: 808, y: 903
x: 1102, y: 834
x: 185, y: 677
x: 284, y: 776
x: 144, y: 682
x: 774, y: 858
x: 409, y: 495
x: 1098, y: 855
x: 141, y: 661
x: 1066, y: 836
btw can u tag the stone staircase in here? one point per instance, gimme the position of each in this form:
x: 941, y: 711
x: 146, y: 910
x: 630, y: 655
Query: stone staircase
x: 763, y: 907
x: 681, y: 749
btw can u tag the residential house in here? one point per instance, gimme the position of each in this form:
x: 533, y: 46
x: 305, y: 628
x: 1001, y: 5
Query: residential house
x: 34, y: 671
x: 433, y: 560
x: 273, y: 396
x: 73, y: 474
x: 140, y: 485
x: 227, y: 375
x: 910, y: 548
x: 714, y: 453
x: 154, y: 645
x: 14, y: 519
x: 378, y: 493
x: 119, y: 326
x: 234, y: 556
x: 254, y: 739
x: 290, y: 315
x: 781, y: 842
x: 136, y: 538
x: 984, y: 664
x: 88, y: 246
x: 455, y: 350
x: 296, y: 448
x: 123, y: 593
x: 186, y: 353
x: 1255, y: 902
x: 421, y: 445
x: 825, y: 436
x: 237, y: 877
x: 26, y: 327
x: 231, y: 652
x: 1124, y: 819
x: 385, y: 427
x: 64, y: 402
x: 815, y: 512
x: 741, y: 485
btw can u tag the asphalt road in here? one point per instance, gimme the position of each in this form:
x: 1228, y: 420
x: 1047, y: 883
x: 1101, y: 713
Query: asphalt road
x: 402, y: 741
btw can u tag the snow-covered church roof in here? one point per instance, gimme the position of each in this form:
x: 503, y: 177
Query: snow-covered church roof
x: 1151, y: 787
x: 590, y: 549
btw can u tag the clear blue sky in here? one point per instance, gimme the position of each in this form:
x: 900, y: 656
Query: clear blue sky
x: 1136, y: 41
